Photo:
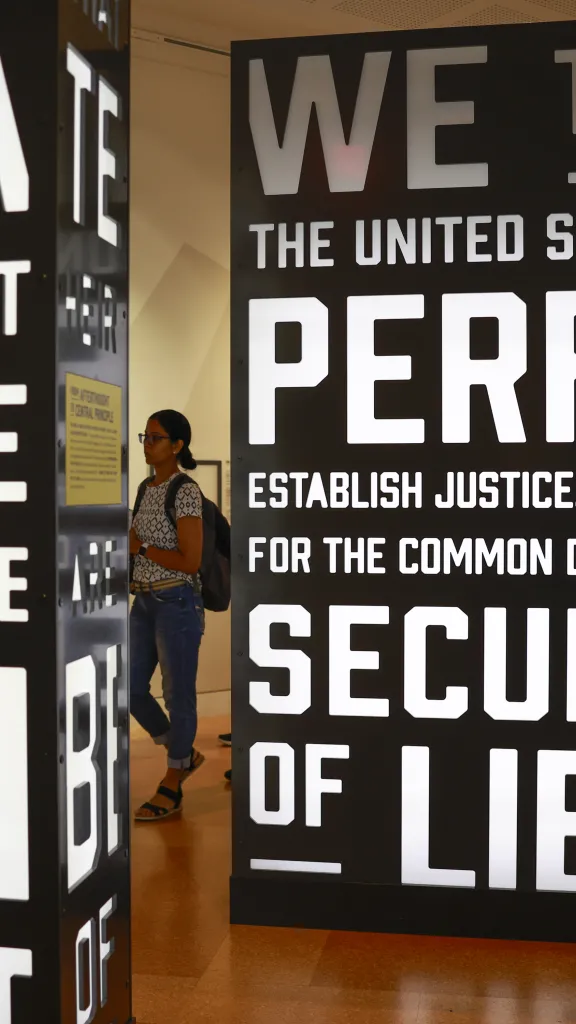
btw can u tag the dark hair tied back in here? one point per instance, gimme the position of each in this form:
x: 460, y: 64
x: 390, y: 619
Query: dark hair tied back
x: 186, y: 459
x: 178, y: 429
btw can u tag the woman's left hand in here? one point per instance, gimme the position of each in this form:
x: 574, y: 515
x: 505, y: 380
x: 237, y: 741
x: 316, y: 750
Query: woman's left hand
x: 135, y: 542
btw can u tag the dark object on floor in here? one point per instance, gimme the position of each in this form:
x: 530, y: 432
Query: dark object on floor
x: 225, y: 739
x: 228, y: 775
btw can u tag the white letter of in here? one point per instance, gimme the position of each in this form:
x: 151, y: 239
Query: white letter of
x: 425, y: 114
x: 416, y: 622
x: 299, y: 697
x: 316, y: 784
x: 265, y: 374
x: 87, y: 934
x: 342, y: 660
x: 365, y: 368
x: 346, y: 163
x: 460, y: 372
x: 258, y: 812
x: 107, y: 947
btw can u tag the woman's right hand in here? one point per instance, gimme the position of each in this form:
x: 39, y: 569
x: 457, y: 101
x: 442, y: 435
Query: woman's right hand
x: 135, y: 543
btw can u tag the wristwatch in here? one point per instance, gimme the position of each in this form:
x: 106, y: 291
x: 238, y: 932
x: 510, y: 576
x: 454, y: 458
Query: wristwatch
x: 143, y: 550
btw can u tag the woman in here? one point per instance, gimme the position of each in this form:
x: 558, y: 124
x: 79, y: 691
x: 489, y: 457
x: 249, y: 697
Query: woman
x: 167, y: 618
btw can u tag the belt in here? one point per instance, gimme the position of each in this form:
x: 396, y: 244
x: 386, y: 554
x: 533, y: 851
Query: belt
x: 145, y: 588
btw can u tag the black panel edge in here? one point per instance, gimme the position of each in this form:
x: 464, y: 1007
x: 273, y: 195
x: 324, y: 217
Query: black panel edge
x: 345, y: 906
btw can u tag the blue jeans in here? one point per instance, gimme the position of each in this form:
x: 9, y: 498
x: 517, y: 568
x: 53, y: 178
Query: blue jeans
x: 166, y: 627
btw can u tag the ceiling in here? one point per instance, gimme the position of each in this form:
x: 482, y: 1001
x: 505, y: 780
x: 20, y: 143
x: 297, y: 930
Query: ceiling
x: 217, y: 22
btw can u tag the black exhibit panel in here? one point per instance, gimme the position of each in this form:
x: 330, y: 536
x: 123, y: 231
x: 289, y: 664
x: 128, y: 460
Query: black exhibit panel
x: 404, y: 489
x: 64, y: 832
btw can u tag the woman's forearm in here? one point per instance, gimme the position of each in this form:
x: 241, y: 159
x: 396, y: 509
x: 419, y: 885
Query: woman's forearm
x: 176, y: 561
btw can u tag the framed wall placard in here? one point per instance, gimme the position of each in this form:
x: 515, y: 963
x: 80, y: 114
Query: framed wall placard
x: 403, y: 367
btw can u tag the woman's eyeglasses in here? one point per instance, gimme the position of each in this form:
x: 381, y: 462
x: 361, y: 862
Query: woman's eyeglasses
x: 152, y: 438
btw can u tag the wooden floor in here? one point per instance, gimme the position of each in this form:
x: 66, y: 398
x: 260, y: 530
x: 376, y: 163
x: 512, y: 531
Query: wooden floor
x: 191, y: 968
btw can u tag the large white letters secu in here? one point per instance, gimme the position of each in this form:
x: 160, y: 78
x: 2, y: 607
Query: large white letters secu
x: 299, y: 696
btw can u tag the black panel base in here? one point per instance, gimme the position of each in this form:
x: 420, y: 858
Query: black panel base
x: 408, y: 910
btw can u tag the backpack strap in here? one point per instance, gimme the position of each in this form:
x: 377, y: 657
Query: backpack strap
x: 139, y: 497
x: 172, y: 494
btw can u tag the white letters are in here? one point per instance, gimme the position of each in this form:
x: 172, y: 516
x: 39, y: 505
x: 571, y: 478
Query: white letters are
x: 265, y: 374
x: 425, y: 114
x: 365, y: 368
x: 460, y: 372
x: 299, y: 696
x: 346, y: 163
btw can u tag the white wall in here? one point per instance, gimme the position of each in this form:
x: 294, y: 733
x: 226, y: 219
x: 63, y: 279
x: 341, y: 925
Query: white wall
x: 180, y: 267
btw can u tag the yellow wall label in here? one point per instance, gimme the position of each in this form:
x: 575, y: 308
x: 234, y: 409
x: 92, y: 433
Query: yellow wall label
x: 93, y: 442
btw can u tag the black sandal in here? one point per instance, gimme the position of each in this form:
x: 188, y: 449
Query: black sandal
x: 159, y: 813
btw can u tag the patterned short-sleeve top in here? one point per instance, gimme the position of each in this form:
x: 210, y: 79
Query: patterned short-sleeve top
x: 154, y: 527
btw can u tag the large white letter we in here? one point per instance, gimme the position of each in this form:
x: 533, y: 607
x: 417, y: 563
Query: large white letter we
x: 346, y: 164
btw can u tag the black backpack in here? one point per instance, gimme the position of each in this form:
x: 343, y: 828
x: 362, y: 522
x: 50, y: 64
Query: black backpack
x: 215, y: 567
